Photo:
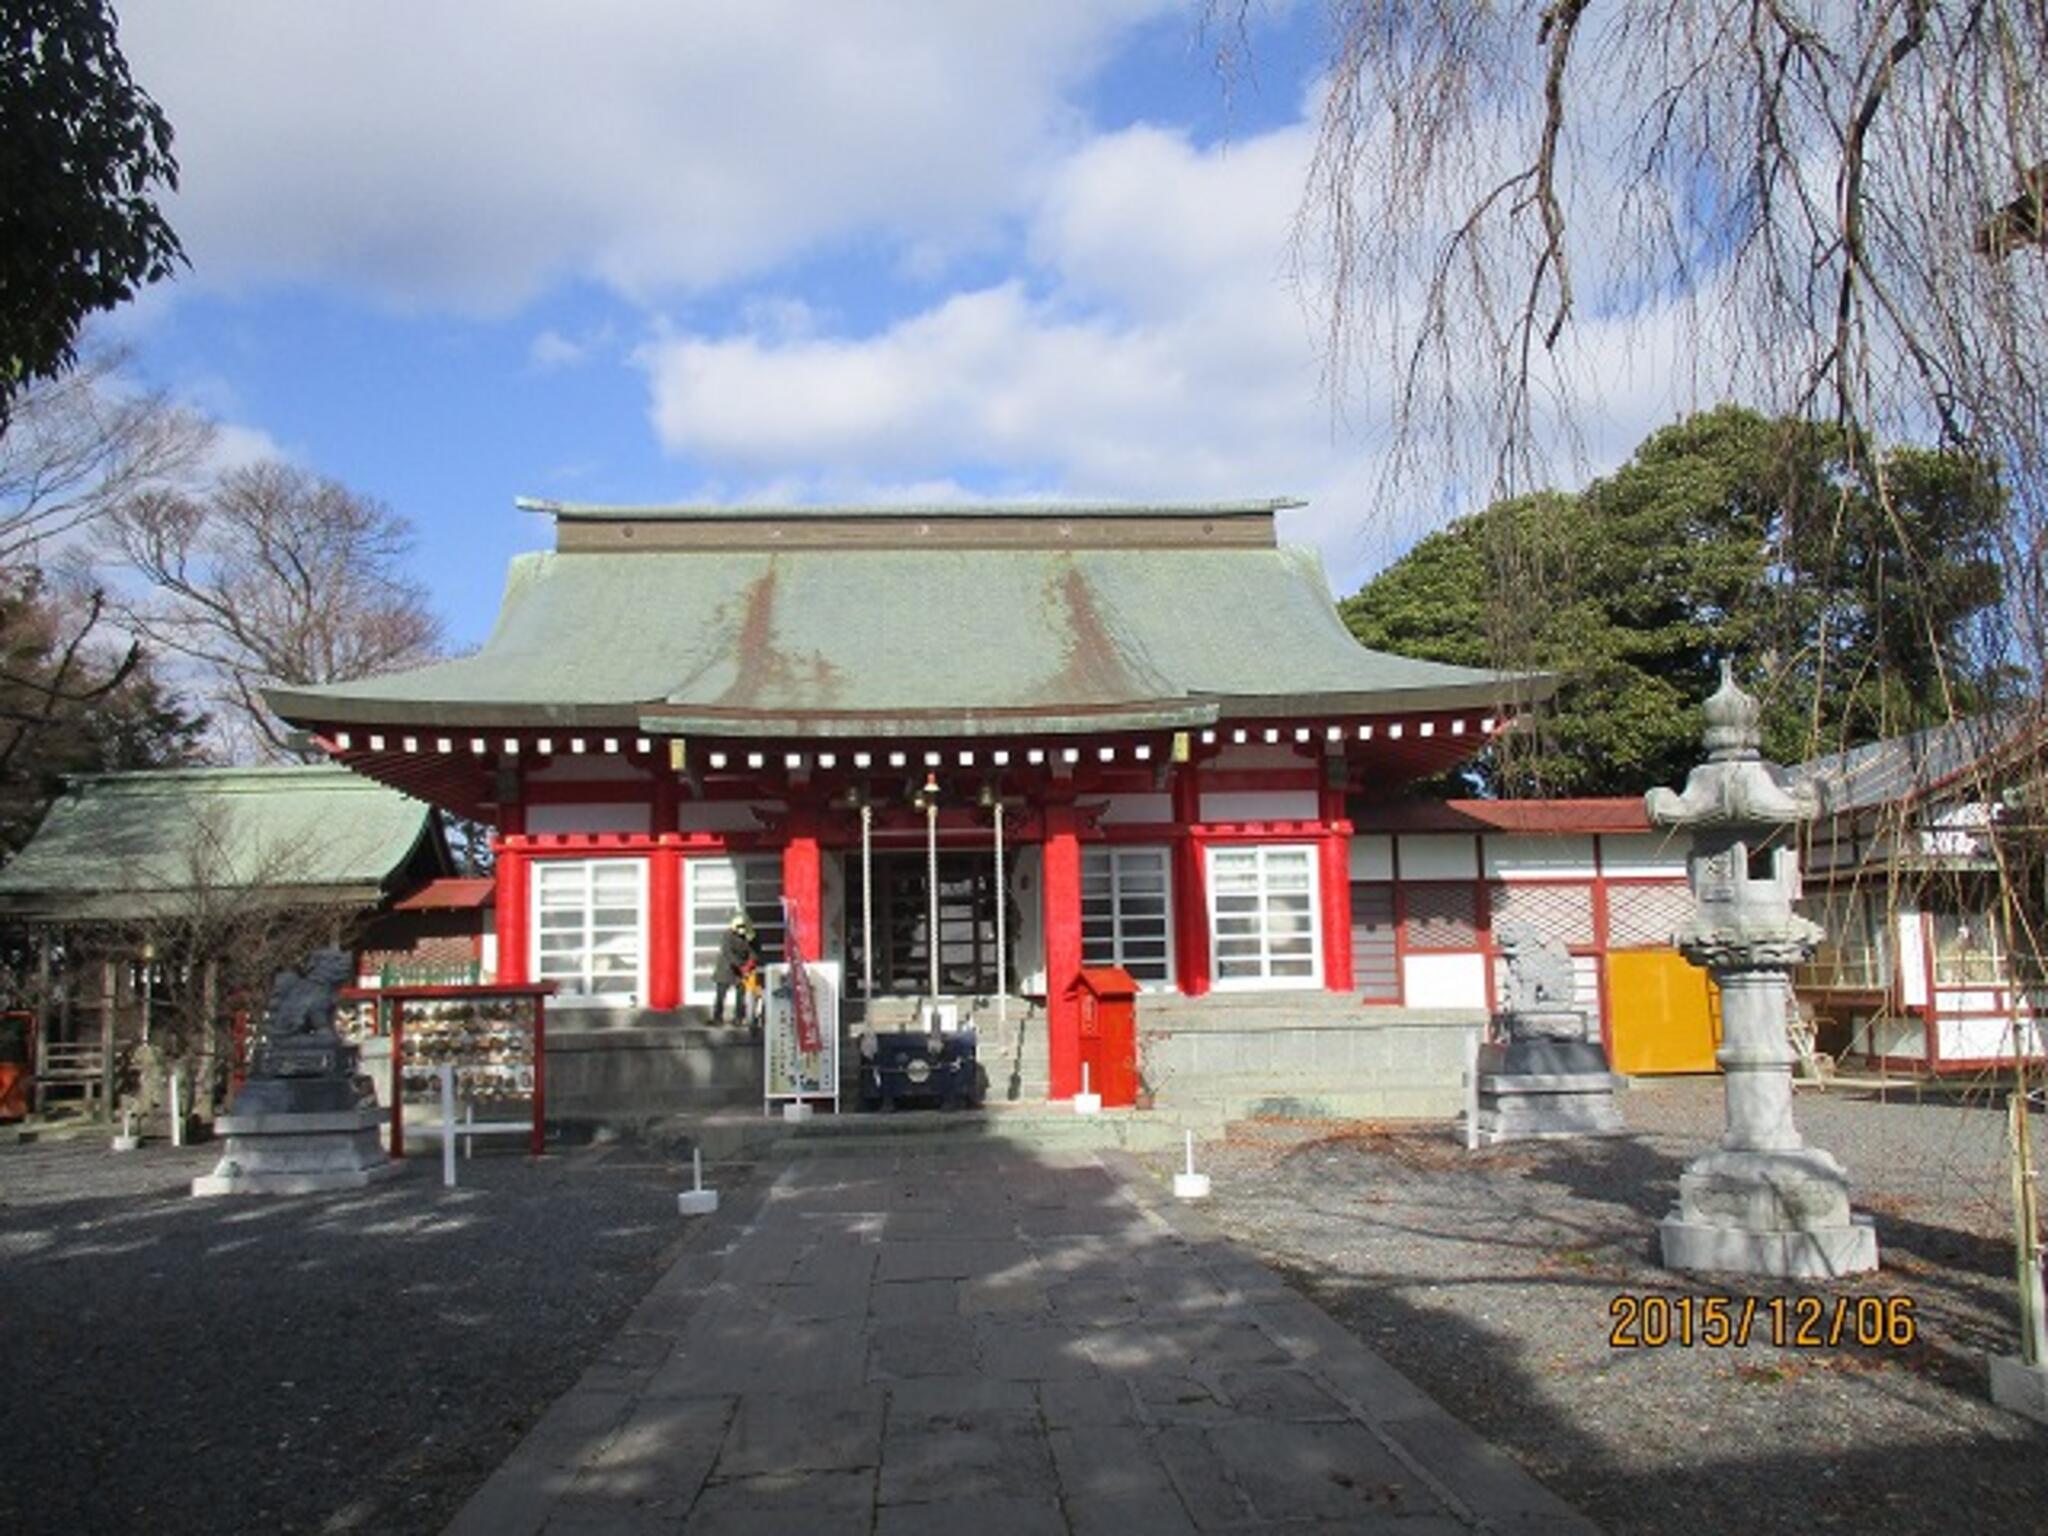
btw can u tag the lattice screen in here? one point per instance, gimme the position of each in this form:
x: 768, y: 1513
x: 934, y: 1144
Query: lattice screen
x: 1645, y: 916
x: 1442, y: 916
x: 1560, y: 912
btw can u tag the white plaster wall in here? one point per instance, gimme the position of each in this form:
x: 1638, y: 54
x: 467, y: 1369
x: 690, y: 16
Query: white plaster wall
x: 723, y: 815
x: 1444, y: 981
x: 1138, y: 808
x: 490, y: 952
x: 1912, y: 959
x: 1645, y: 853
x: 566, y: 767
x: 1029, y: 946
x: 1372, y: 856
x: 1260, y: 805
x: 1963, y: 1039
x: 1439, y: 856
x: 600, y: 816
x: 1890, y: 1037
x: 1512, y: 855
x: 1256, y: 753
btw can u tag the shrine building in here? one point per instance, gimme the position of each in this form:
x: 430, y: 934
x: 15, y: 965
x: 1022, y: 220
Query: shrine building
x: 1072, y: 735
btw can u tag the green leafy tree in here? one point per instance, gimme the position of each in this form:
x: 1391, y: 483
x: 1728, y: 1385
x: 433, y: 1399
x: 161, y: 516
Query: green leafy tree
x: 1857, y: 614
x: 83, y: 153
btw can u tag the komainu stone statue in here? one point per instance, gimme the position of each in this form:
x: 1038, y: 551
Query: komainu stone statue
x: 302, y: 1003
x: 1540, y: 983
x: 1541, y: 1078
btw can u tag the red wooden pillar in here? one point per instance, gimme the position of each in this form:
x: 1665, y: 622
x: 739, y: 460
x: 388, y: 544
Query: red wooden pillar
x: 1335, y: 854
x: 514, y: 870
x: 803, y: 882
x: 1190, y: 891
x: 665, y: 925
x: 1061, y: 877
x: 664, y: 897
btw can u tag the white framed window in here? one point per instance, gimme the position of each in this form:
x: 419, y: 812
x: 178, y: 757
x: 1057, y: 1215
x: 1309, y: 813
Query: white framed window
x: 713, y: 889
x: 1968, y: 949
x: 1265, y: 925
x: 1127, y: 912
x: 590, y: 929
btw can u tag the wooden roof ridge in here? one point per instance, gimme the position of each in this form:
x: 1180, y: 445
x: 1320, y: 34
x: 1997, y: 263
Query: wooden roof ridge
x: 1052, y: 510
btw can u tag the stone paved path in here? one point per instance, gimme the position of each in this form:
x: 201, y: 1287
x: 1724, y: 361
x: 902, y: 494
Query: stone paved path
x: 990, y: 1341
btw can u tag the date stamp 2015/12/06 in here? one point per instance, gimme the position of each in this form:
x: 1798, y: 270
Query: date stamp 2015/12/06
x: 1788, y: 1322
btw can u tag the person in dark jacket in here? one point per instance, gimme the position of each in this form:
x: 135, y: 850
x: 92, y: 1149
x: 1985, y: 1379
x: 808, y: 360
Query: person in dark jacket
x: 735, y: 962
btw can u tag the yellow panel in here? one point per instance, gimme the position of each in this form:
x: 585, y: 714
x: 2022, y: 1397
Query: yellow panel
x: 1666, y: 1016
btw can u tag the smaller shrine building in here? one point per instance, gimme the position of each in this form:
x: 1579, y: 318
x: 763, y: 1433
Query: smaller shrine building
x: 966, y: 749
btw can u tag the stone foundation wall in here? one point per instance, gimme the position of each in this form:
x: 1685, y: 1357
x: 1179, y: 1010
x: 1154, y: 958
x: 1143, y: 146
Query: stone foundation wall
x: 608, y: 1073
x: 1309, y: 1059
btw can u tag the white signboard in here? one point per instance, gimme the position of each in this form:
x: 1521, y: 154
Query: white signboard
x: 789, y: 1071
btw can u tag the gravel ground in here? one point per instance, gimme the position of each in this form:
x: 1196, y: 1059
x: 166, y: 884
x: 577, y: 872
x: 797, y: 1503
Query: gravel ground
x: 330, y: 1363
x: 361, y: 1362
x: 1487, y: 1278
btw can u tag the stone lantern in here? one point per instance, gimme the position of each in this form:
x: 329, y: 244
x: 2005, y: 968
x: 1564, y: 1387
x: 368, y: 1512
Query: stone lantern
x: 1763, y: 1202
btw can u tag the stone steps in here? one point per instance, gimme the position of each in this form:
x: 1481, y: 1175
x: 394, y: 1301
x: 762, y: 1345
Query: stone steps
x: 728, y: 1135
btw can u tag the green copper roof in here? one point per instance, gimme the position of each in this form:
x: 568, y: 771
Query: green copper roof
x: 132, y: 845
x: 827, y: 641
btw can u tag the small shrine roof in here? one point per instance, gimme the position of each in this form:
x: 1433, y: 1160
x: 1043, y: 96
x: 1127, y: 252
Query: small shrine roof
x: 127, y: 846
x: 1920, y: 764
x: 1609, y: 814
x: 873, y: 623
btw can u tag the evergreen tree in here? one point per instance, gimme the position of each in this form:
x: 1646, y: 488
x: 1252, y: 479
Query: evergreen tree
x: 1856, y: 614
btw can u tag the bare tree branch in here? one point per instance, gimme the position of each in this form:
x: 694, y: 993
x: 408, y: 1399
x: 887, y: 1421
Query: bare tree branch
x: 272, y: 575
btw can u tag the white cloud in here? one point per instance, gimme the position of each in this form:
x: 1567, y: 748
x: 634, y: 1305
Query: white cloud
x: 444, y: 154
x: 1153, y: 351
x: 550, y: 351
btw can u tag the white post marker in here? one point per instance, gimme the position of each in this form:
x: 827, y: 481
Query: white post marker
x: 448, y: 1123
x: 177, y: 1114
x: 1472, y: 1089
x: 1086, y: 1103
x: 127, y: 1141
x: 697, y: 1200
x: 1190, y: 1185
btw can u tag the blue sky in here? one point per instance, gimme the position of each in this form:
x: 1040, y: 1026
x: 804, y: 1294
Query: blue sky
x: 625, y: 251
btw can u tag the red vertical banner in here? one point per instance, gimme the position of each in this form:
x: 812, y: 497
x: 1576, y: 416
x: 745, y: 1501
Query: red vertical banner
x: 803, y: 1003
x: 1335, y: 858
x: 1061, y: 876
x: 1190, y: 890
x: 665, y: 926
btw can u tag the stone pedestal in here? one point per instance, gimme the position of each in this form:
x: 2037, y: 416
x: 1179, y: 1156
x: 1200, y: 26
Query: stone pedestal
x: 1784, y: 1214
x: 2020, y: 1388
x: 1545, y: 1089
x: 298, y: 1153
x: 1765, y: 1203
